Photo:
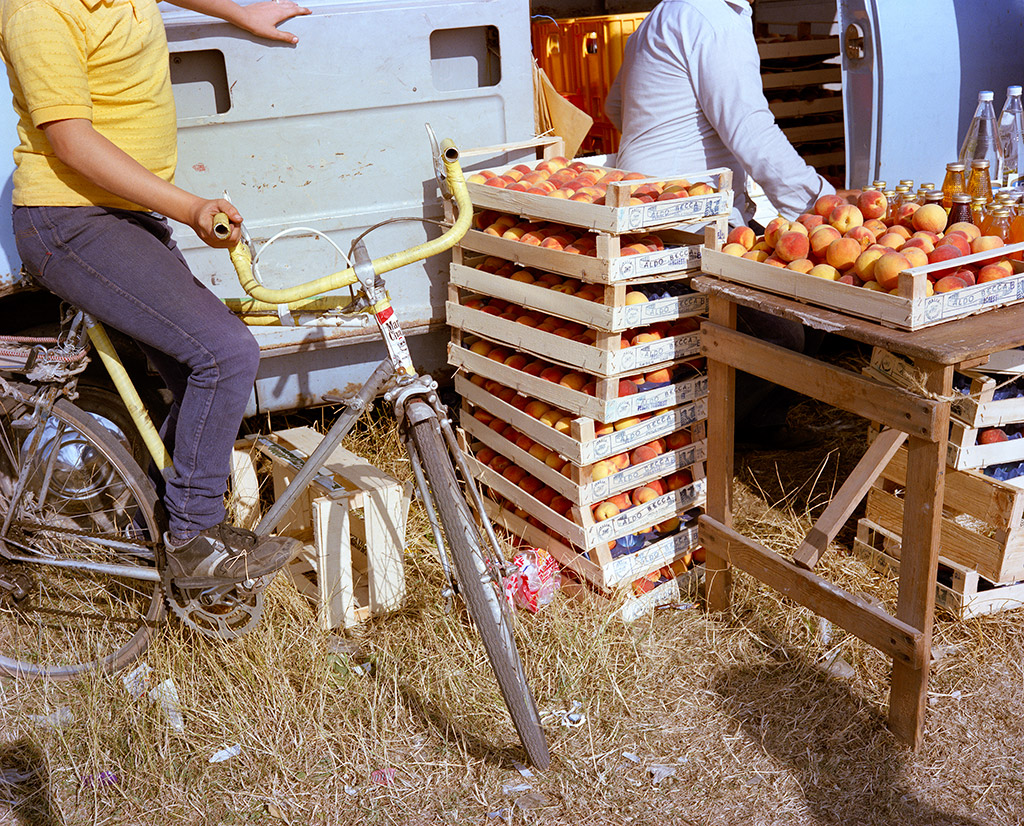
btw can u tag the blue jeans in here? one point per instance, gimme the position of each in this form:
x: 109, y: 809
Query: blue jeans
x: 124, y: 268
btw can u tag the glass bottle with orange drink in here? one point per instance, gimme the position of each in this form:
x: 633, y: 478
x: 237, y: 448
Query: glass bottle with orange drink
x: 953, y: 184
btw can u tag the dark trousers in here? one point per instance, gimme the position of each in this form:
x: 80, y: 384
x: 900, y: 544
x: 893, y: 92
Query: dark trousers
x: 759, y: 403
x: 124, y: 268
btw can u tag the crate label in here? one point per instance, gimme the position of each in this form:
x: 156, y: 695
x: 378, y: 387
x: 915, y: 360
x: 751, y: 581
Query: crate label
x: 656, y: 399
x: 637, y: 266
x: 645, y: 431
x: 677, y: 210
x: 636, y: 475
x: 960, y: 302
x: 648, y: 514
x: 651, y: 557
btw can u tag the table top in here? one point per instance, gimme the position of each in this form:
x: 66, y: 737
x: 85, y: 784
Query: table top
x: 950, y: 342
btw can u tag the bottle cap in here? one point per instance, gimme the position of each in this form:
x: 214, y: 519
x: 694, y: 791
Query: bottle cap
x: 1013, y: 90
x: 961, y: 199
x: 983, y: 96
x: 926, y: 187
x: 979, y: 163
x: 878, y: 184
x: 955, y: 167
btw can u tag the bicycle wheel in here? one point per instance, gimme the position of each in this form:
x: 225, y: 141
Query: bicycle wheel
x: 81, y: 491
x: 480, y: 585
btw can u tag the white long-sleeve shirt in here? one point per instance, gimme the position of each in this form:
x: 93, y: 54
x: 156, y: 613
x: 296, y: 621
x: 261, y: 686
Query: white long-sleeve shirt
x: 688, y: 98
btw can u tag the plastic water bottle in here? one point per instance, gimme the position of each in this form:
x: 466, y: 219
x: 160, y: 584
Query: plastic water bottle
x: 982, y: 141
x: 1011, y: 136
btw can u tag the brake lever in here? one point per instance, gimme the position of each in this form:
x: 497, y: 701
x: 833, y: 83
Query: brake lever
x: 439, y: 173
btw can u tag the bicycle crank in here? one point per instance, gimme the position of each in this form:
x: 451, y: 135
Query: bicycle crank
x: 15, y: 586
x: 224, y: 612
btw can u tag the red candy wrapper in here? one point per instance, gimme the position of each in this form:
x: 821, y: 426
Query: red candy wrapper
x: 534, y: 579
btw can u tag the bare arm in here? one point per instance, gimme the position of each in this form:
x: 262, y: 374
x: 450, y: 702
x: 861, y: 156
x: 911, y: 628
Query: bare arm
x: 260, y: 19
x: 76, y: 143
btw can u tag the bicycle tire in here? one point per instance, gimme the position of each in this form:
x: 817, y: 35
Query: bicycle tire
x: 480, y: 588
x: 81, y: 481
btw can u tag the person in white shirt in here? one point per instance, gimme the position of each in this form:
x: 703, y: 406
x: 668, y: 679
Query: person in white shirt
x: 688, y: 97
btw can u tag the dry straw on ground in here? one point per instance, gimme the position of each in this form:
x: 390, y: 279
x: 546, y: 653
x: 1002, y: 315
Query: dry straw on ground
x: 689, y: 719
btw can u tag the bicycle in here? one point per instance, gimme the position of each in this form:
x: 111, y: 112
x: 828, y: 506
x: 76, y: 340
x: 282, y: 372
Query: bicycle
x: 83, y: 583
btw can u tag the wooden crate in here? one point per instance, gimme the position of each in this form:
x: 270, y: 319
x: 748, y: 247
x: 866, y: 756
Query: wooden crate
x: 351, y: 520
x: 597, y: 565
x: 582, y: 530
x: 911, y: 309
x: 616, y: 215
x: 682, y: 253
x: 982, y: 518
x: 581, y: 445
x: 603, y: 359
x: 964, y: 453
x: 580, y: 487
x: 605, y: 406
x: 612, y: 315
x: 959, y: 590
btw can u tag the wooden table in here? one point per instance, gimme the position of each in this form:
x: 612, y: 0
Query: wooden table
x: 921, y: 418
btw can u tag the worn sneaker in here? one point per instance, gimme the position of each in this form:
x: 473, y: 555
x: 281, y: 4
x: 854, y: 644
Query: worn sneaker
x: 224, y: 554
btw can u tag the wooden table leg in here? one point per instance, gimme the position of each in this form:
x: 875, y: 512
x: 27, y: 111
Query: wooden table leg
x: 721, y: 416
x: 919, y: 560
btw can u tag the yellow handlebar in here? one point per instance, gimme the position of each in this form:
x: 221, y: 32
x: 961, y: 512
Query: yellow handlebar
x: 242, y: 259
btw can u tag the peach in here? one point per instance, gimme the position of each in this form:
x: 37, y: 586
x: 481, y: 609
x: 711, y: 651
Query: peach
x: 931, y: 217
x: 821, y: 237
x: 967, y: 275
x: 602, y: 469
x: 990, y: 272
x: 627, y: 387
x: 804, y: 265
x: 756, y: 255
x: 864, y: 266
x: 776, y: 227
x: 845, y: 217
x: 552, y: 374
x: 917, y: 257
x: 550, y: 417
x: 948, y: 283
x: 738, y: 250
x: 873, y: 204
x: 843, y: 253
x: 796, y: 226
x: 620, y: 460
x: 876, y: 226
x: 919, y: 241
x: 986, y: 242
x: 644, y: 453
x: 773, y: 261
x: 905, y: 214
x: 481, y: 347
x: 943, y: 252
x: 826, y: 271
x: 628, y: 422
x: 888, y: 269
x: 862, y: 235
x: 644, y: 494
x: 514, y: 474
x: 744, y: 236
x: 536, y: 408
x: 679, y: 479
x: 700, y: 188
x: 792, y: 245
x: 970, y: 230
x: 636, y: 297
x: 517, y: 361
x: 605, y: 510
x: 810, y: 220
x: 826, y: 204
x: 957, y: 239
x: 893, y: 240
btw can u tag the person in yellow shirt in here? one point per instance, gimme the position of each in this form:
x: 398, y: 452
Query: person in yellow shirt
x: 94, y: 181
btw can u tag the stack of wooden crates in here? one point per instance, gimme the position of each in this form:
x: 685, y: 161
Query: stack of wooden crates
x: 981, y: 556
x: 573, y: 396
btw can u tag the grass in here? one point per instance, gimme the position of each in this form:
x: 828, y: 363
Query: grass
x: 689, y: 718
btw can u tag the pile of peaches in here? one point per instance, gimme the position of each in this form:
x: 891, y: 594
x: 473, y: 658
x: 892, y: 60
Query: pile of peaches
x: 637, y: 294
x: 578, y: 181
x: 857, y: 244
x: 572, y: 330
x: 555, y: 236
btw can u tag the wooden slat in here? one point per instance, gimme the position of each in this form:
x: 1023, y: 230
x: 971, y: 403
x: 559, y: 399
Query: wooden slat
x: 809, y: 77
x: 721, y: 434
x: 922, y: 521
x: 891, y: 406
x: 802, y: 108
x: 799, y: 48
x: 901, y: 641
x: 849, y: 496
x: 814, y: 132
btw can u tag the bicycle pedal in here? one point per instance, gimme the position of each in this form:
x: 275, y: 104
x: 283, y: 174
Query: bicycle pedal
x: 202, y: 583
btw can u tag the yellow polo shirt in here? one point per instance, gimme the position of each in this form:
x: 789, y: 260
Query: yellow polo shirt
x: 102, y: 60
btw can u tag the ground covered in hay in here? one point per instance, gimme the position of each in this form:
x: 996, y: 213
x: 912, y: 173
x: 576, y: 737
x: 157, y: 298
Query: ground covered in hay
x: 767, y: 716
